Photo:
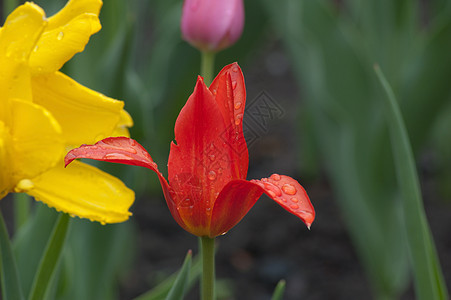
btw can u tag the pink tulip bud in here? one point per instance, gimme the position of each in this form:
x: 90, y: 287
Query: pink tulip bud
x: 212, y: 25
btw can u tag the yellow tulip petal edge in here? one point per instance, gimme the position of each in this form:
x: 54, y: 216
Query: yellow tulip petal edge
x: 82, y: 190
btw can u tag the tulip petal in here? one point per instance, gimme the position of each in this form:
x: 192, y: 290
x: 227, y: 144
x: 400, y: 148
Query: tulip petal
x: 17, y: 40
x: 238, y: 197
x: 82, y: 190
x: 230, y: 94
x: 57, y: 46
x: 92, y: 116
x: 73, y: 9
x: 232, y: 204
x: 5, y: 158
x: 289, y: 194
x: 36, y: 140
x: 201, y: 155
x: 121, y: 150
x: 127, y: 151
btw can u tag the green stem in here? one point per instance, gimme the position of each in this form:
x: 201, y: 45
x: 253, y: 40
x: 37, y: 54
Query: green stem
x: 208, y: 268
x: 11, y: 288
x: 21, y: 209
x: 50, y: 258
x: 207, y: 66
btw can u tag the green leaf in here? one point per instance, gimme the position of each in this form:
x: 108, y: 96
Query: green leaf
x: 177, y: 291
x: 50, y: 258
x: 279, y: 290
x: 161, y: 291
x: 11, y: 289
x: 429, y: 282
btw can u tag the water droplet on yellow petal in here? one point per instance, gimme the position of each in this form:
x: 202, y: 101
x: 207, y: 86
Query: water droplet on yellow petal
x: 60, y: 36
x: 24, y: 186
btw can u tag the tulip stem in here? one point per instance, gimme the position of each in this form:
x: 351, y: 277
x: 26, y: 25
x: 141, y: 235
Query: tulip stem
x: 207, y: 66
x: 208, y: 268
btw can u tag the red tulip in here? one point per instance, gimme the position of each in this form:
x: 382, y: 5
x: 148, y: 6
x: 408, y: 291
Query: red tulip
x: 207, y: 192
x: 212, y: 25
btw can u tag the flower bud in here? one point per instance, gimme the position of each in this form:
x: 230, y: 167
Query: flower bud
x: 212, y: 25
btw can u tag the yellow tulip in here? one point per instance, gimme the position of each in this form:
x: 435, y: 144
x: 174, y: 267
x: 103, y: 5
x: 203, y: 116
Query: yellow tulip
x: 44, y: 113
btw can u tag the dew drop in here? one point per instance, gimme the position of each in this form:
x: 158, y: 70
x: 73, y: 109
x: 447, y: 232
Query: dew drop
x: 235, y: 69
x: 265, y: 179
x: 132, y: 151
x: 234, y: 84
x: 275, y: 177
x: 294, y: 199
x: 116, y: 156
x: 211, y: 175
x: 214, y: 92
x: 272, y: 189
x: 208, y: 210
x: 288, y: 189
x: 60, y: 36
x: 36, y: 48
x: 238, y: 119
x: 238, y: 105
x: 212, y: 157
x: 294, y: 206
x: 272, y: 194
x: 187, y: 203
x: 220, y: 171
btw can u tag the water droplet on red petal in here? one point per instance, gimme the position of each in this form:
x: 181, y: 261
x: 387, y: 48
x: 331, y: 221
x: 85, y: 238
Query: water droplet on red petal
x: 289, y: 189
x: 275, y: 177
x: 211, y: 175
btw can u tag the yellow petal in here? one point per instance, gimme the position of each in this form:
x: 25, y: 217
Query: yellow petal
x: 36, y: 140
x: 17, y: 40
x: 73, y: 9
x: 58, y: 45
x: 125, y: 122
x: 85, y: 116
x: 5, y: 167
x: 84, y: 191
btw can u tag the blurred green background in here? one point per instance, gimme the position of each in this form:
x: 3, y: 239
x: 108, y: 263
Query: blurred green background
x: 312, y: 60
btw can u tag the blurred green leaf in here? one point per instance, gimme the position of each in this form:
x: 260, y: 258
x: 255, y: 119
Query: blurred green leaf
x: 279, y: 290
x: 34, y: 234
x: 50, y: 258
x: 11, y: 286
x: 428, y: 275
x: 162, y: 290
x: 178, y: 289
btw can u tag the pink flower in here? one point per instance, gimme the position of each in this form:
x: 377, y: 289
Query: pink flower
x: 212, y: 25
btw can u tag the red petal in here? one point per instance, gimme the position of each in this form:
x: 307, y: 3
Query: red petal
x: 230, y: 94
x: 127, y: 151
x: 232, y: 204
x: 200, y: 164
x: 290, y: 195
x: 121, y: 150
x: 238, y: 197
